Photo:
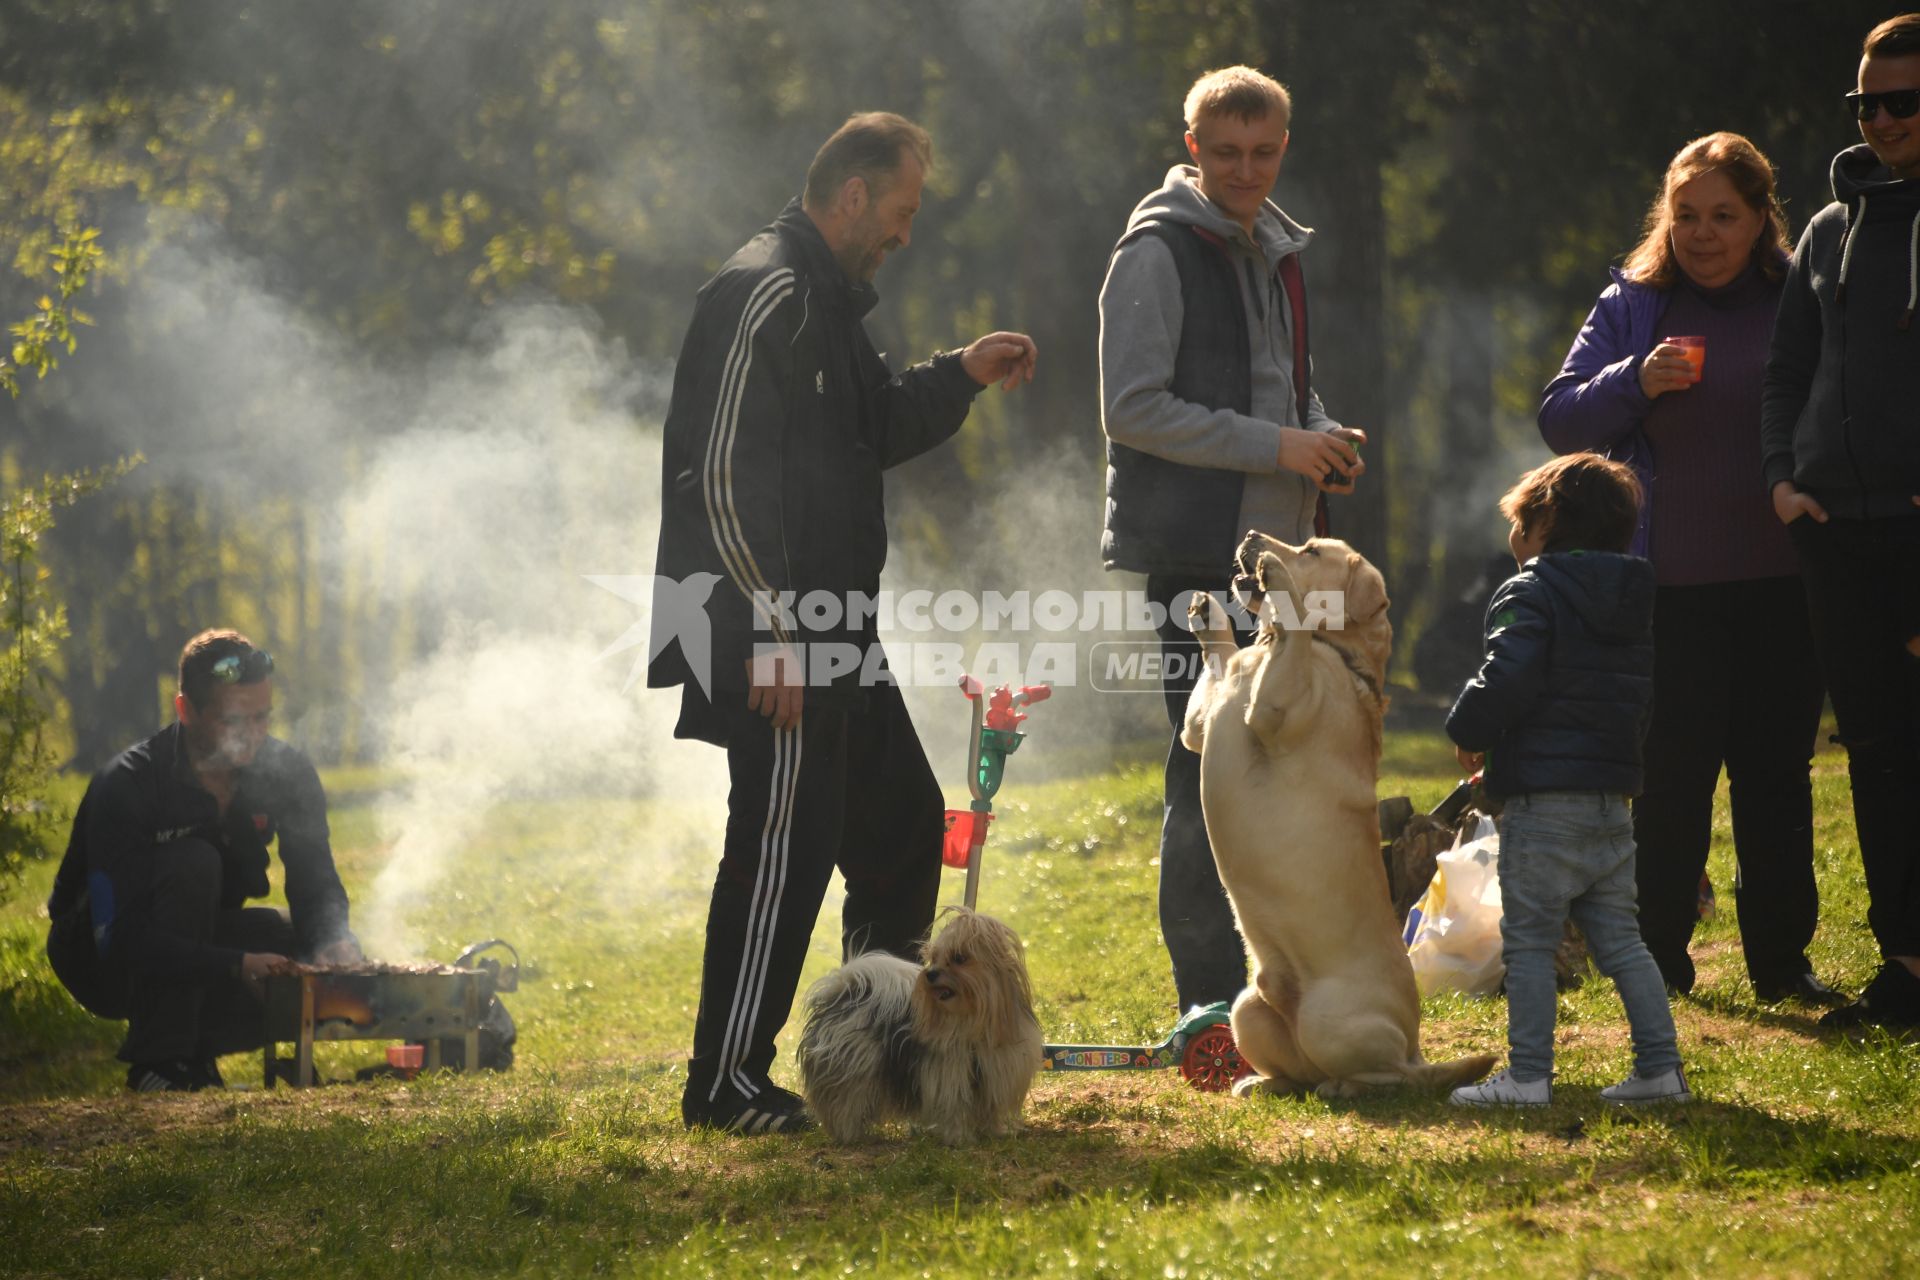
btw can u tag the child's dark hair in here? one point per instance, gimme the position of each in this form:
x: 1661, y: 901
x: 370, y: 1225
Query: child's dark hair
x: 1586, y: 503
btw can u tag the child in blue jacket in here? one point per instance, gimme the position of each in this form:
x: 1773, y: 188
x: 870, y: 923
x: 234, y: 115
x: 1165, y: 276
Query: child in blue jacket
x: 1556, y: 715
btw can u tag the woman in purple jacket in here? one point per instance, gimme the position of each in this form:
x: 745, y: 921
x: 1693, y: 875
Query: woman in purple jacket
x: 1735, y: 677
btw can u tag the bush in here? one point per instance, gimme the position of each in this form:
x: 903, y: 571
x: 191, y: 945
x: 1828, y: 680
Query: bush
x: 33, y: 623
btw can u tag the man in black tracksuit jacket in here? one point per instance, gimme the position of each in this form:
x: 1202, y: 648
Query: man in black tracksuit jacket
x: 782, y: 419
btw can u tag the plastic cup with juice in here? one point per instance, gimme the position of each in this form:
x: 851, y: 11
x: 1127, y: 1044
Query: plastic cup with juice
x: 1696, y: 353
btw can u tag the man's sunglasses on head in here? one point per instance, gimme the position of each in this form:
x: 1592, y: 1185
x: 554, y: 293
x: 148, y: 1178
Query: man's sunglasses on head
x: 1900, y: 103
x: 243, y: 668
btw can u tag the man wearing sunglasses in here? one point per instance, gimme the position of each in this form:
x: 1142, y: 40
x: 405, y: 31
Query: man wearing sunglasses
x: 168, y: 844
x: 1840, y: 445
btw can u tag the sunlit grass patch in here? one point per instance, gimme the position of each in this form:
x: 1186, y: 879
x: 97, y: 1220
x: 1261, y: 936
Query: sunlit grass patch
x: 1800, y: 1157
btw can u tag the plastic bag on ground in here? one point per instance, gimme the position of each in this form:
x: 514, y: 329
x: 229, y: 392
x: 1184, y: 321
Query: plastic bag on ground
x: 1453, y: 932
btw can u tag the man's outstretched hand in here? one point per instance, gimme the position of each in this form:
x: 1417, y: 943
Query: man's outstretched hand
x: 1005, y: 358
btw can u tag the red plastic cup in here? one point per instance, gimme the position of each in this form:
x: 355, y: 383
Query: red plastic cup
x: 1696, y: 352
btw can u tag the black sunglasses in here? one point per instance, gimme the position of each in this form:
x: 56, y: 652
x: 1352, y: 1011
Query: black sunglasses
x: 243, y: 668
x: 1900, y: 103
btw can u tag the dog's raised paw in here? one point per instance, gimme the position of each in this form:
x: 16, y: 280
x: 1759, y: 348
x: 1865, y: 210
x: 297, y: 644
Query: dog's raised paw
x: 1206, y: 616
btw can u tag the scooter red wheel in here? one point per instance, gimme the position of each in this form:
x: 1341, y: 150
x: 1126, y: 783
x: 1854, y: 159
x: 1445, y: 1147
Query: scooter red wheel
x: 1212, y: 1061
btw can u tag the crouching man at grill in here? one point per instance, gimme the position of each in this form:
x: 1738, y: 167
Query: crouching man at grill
x: 169, y: 842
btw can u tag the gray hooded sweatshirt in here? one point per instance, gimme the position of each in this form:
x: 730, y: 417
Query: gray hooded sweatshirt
x: 1140, y: 315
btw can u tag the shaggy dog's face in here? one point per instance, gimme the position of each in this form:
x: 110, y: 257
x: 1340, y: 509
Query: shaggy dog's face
x: 973, y: 980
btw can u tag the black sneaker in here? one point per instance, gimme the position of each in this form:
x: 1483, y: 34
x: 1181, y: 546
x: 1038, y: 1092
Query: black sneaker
x: 772, y: 1110
x: 1804, y: 989
x: 1891, y: 1000
x: 168, y: 1077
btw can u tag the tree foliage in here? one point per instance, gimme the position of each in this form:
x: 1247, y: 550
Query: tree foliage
x: 32, y: 619
x: 41, y: 337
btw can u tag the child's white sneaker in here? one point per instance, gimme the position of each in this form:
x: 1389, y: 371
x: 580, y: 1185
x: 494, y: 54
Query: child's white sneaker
x: 1668, y: 1086
x: 1502, y: 1090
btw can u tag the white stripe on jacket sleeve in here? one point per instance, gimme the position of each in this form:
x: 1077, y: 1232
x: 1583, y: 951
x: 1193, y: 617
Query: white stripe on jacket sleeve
x: 723, y: 517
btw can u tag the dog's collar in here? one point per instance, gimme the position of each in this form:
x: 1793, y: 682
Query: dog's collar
x: 1365, y: 678
x: 1268, y: 635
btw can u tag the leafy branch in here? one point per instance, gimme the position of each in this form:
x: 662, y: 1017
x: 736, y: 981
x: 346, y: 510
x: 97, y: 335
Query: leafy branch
x: 37, y: 340
x: 33, y: 622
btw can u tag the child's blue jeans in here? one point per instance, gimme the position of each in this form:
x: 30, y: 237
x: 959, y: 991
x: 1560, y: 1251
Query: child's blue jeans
x: 1571, y: 853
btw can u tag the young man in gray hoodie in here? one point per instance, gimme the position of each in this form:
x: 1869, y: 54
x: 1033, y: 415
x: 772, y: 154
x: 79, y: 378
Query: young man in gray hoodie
x: 1213, y: 429
x: 1840, y: 447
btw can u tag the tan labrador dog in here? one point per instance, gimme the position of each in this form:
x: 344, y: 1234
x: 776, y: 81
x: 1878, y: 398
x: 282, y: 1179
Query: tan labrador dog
x: 1288, y: 734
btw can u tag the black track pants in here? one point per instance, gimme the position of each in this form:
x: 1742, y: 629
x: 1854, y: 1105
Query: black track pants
x: 169, y: 1020
x: 846, y: 789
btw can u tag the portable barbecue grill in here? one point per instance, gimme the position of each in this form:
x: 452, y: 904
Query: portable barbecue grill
x: 427, y: 1003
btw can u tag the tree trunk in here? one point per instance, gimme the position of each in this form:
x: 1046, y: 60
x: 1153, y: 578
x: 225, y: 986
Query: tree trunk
x: 114, y: 667
x: 1348, y: 331
x: 1342, y: 136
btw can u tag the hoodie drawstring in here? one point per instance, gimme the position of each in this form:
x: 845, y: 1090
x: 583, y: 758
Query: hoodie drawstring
x: 1913, y: 275
x: 1856, y: 214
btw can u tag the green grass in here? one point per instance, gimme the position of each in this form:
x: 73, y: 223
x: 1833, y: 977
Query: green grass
x: 1799, y: 1159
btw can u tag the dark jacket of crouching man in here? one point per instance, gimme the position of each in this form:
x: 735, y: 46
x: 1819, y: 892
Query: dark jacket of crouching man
x: 149, y: 921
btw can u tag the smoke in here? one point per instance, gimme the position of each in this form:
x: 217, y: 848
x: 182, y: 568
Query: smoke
x: 225, y: 386
x: 459, y: 503
x: 1035, y: 529
x: 522, y: 471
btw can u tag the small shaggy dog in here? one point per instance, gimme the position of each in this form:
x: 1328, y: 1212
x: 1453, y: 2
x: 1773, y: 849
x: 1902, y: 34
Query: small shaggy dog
x: 951, y: 1046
